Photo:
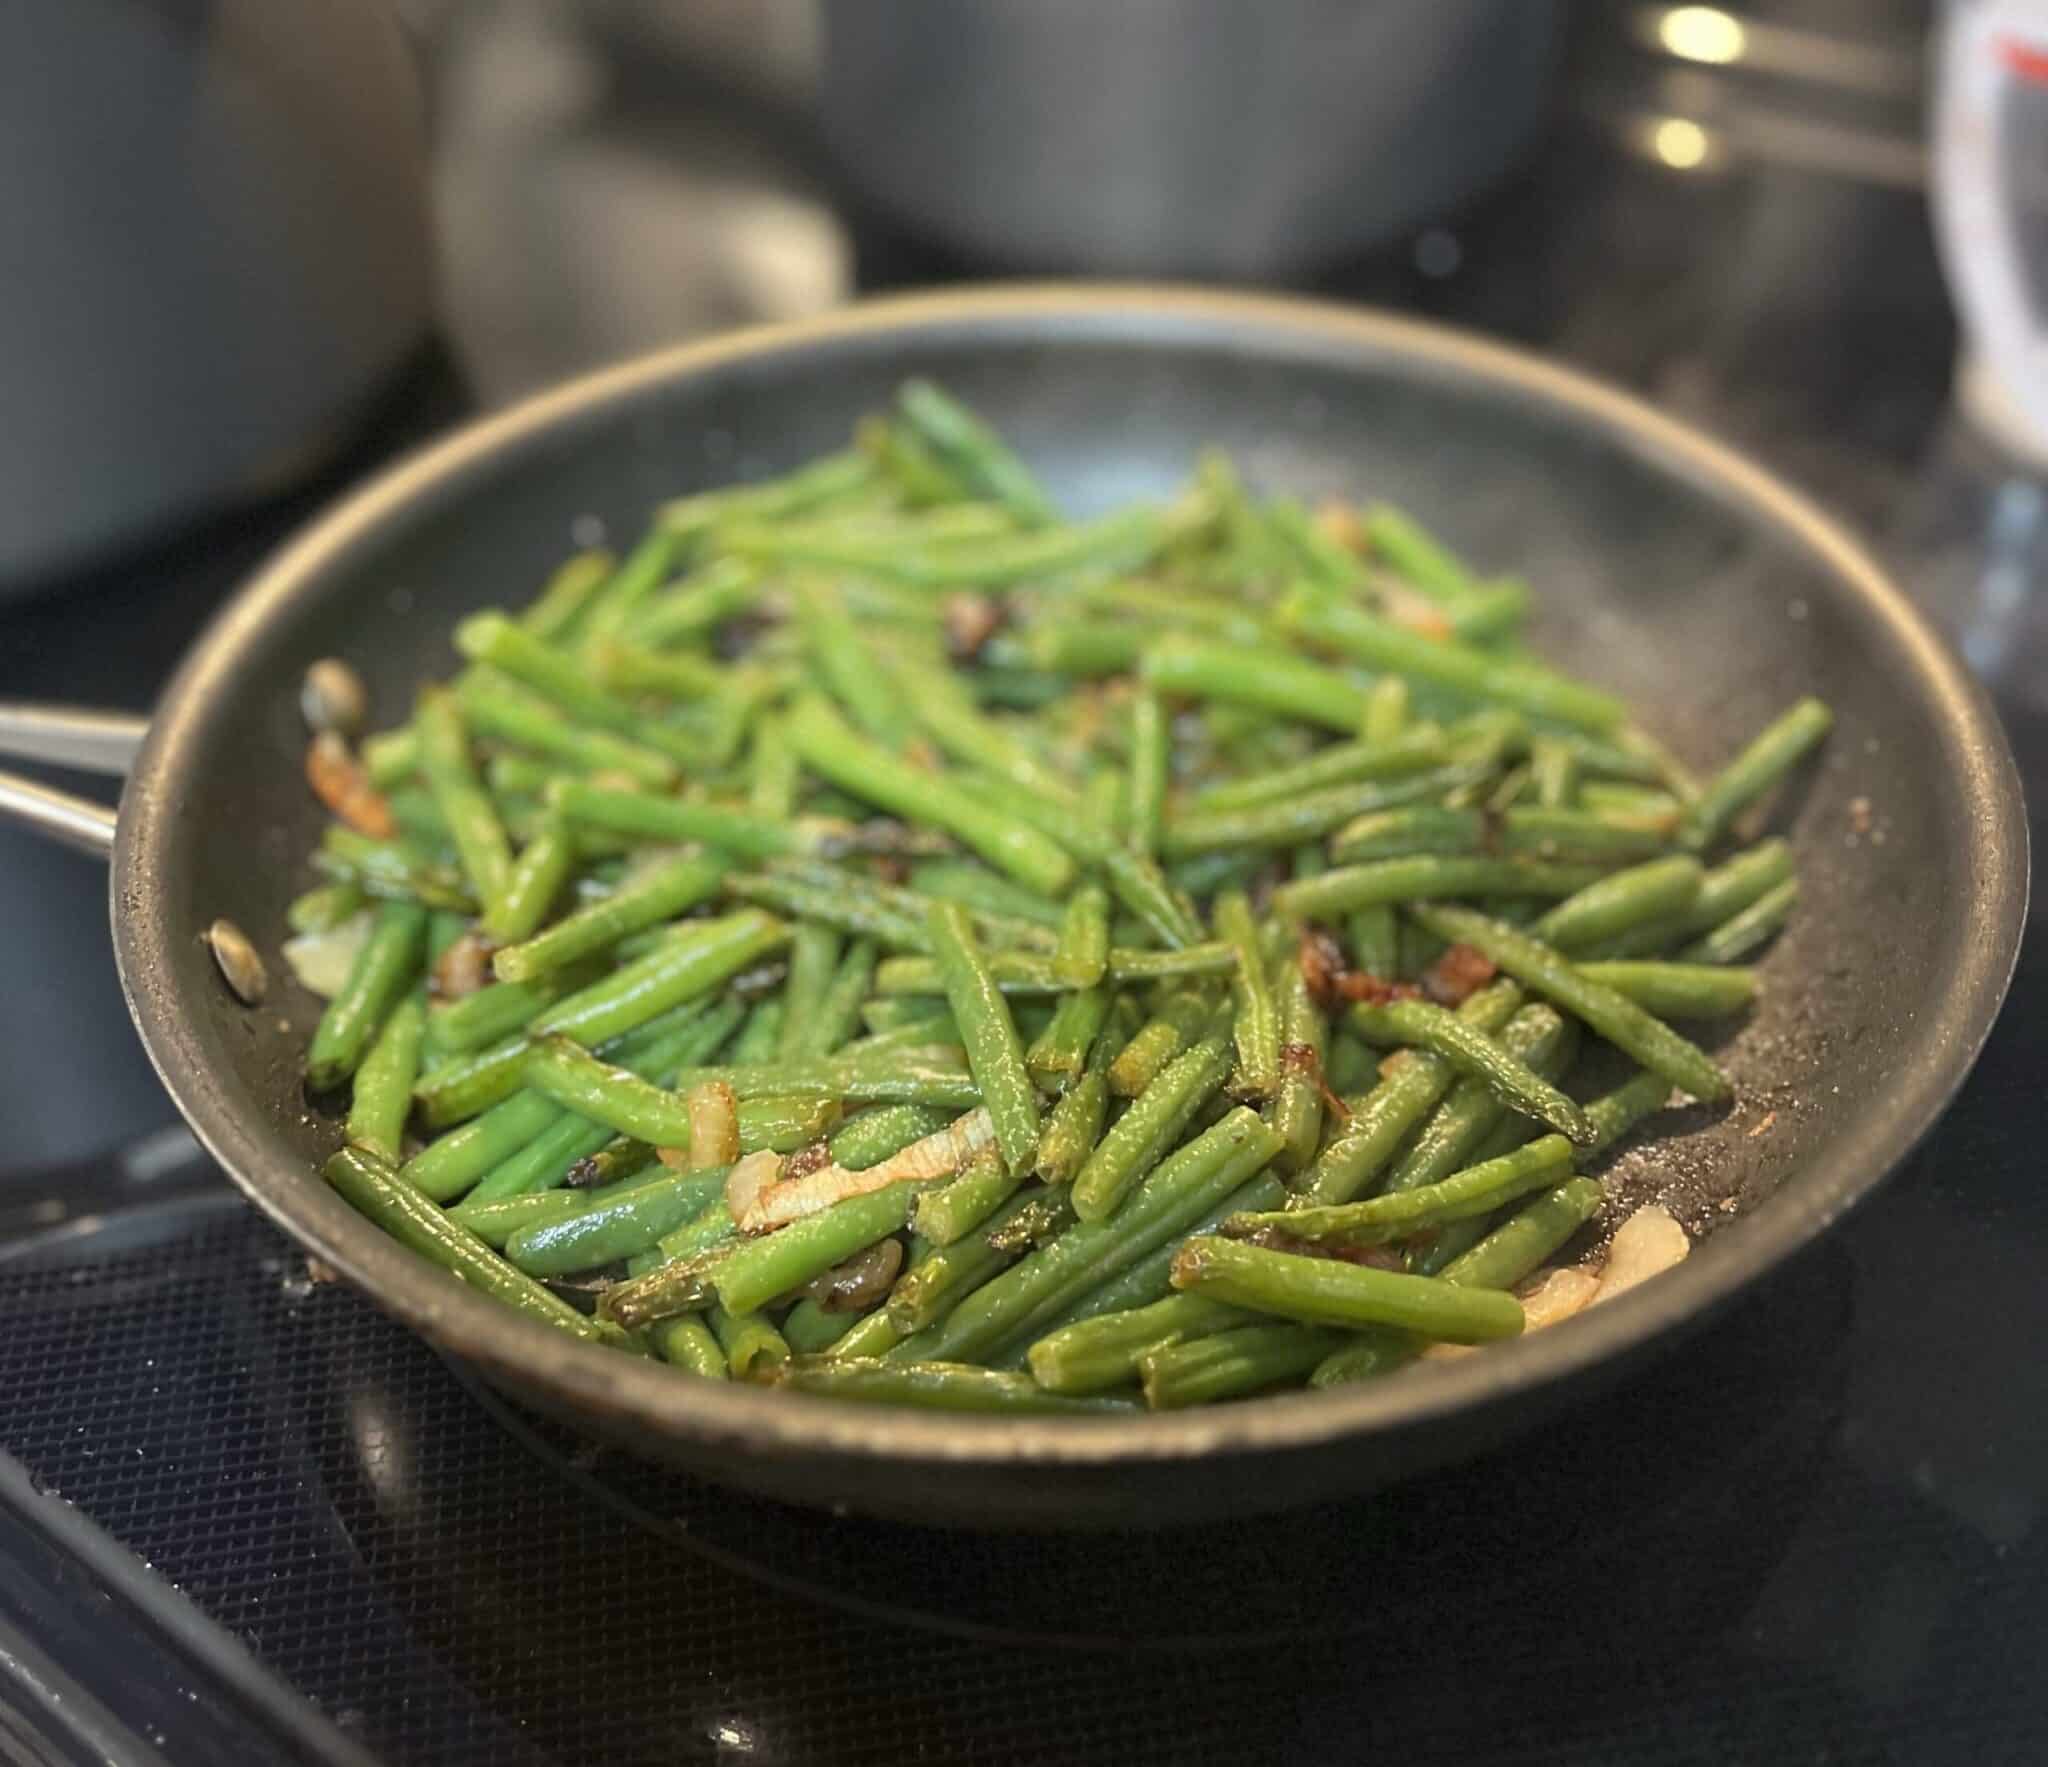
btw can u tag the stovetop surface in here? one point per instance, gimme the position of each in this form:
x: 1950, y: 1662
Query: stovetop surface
x: 243, y: 1517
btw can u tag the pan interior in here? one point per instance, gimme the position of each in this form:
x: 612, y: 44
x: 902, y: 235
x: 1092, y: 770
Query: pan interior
x: 1705, y: 606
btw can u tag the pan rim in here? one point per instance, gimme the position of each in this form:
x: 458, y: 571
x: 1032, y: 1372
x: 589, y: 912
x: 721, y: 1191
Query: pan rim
x: 763, y: 1423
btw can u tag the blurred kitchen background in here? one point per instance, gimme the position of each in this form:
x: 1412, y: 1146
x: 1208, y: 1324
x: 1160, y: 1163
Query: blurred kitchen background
x: 320, y: 233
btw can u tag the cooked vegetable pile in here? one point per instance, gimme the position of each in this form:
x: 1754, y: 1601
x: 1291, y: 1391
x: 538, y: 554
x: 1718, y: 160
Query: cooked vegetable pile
x: 885, y: 939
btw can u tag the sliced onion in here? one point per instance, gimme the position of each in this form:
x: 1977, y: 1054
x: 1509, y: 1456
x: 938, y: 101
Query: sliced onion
x: 320, y: 962
x: 747, y: 1180
x: 714, y: 1125
x: 1554, y: 1298
x: 1647, y: 1244
x: 938, y: 1155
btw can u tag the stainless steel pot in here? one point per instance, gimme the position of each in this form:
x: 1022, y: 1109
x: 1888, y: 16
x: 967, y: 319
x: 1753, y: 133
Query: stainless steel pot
x: 1204, y: 137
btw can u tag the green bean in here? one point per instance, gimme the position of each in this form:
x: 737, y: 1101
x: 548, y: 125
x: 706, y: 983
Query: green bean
x: 1724, y: 892
x: 918, y: 474
x: 373, y: 1189
x: 1490, y: 611
x: 1615, y: 1113
x: 1544, y: 971
x: 1229, y: 1364
x: 1677, y: 990
x: 382, y: 1098
x: 691, y: 964
x: 1149, y: 1278
x: 987, y: 893
x: 1351, y: 887
x: 760, y: 1036
x: 1181, y: 1189
x: 771, y: 773
x: 1256, y: 1028
x: 832, y: 478
x: 1151, y: 756
x: 874, y: 1135
x: 490, y: 637
x: 1641, y: 895
x: 842, y: 660
x: 754, y: 1349
x: 1419, y: 1023
x: 850, y: 907
x: 1520, y: 1244
x: 808, y: 1328
x: 831, y: 749
x: 497, y: 706
x: 465, y: 806
x: 1475, y: 674
x: 1270, y: 680
x: 654, y: 896
x: 629, y: 1221
x: 933, y: 1386
x: 1074, y: 1128
x: 324, y: 908
x: 565, y: 600
x: 1095, y: 1354
x: 1142, y: 1136
x: 531, y: 886
x: 699, y: 603
x: 1115, y: 542
x: 1535, y: 1035
x: 579, y: 1081
x: 674, y: 675
x: 1061, y: 1050
x: 871, y: 1336
x: 1476, y: 1190
x: 761, y: 1269
x: 944, y: 1276
x: 1340, y: 764
x: 995, y: 1054
x: 1774, y: 752
x: 496, y: 1219
x: 645, y: 816
x: 973, y: 451
x: 1413, y: 553
x: 902, y: 1076
x: 838, y: 1009
x: 1083, y: 954
x: 383, y: 970
x: 813, y: 956
x: 394, y: 870
x: 1740, y: 934
x: 1328, y: 1291
x: 629, y: 586
x: 960, y: 1205
x: 464, y: 1085
x: 1181, y: 1019
x: 1363, y: 1142
x: 1296, y: 1112
x: 687, y: 1343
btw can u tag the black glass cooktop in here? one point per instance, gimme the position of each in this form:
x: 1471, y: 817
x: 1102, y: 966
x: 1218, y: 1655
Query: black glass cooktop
x: 244, y: 1518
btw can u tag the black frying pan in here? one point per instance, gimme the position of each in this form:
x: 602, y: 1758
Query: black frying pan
x: 1667, y: 567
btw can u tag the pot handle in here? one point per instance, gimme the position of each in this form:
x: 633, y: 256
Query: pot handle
x: 65, y: 736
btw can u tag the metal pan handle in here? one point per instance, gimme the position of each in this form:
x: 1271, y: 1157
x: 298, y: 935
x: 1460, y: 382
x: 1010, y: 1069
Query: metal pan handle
x: 65, y: 736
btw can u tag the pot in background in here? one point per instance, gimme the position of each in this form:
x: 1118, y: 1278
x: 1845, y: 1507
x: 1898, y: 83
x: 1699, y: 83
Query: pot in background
x: 1178, y: 137
x: 214, y: 245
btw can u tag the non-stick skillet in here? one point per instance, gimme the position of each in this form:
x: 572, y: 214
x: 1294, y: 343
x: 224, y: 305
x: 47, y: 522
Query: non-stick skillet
x: 1668, y: 568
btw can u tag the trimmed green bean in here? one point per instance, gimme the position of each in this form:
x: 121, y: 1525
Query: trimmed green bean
x: 1268, y: 680
x: 1536, y: 1035
x: 629, y: 1221
x: 1180, y: 1020
x: 960, y: 1205
x: 1677, y: 990
x: 995, y: 1054
x: 1347, y: 888
x: 1142, y: 1136
x: 1329, y: 1291
x: 1740, y: 934
x: 1545, y: 971
x: 687, y: 1343
x: 1296, y: 1112
x: 1093, y: 1355
x: 1083, y: 954
x: 1476, y: 1190
x: 383, y: 970
x: 1256, y: 1028
x: 693, y: 963
x: 373, y: 1189
x: 935, y: 1386
x: 754, y: 1349
x: 382, y: 1098
x: 1639, y: 896
x: 1229, y: 1364
x: 575, y: 1079
x: 1418, y: 1023
x: 1179, y: 1191
x: 1774, y: 752
x: 974, y: 451
x: 649, y: 899
x: 874, y: 1135
x: 445, y: 759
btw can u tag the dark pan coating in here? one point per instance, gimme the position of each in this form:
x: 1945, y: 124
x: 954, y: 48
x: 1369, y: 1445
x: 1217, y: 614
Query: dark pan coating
x: 1669, y: 571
